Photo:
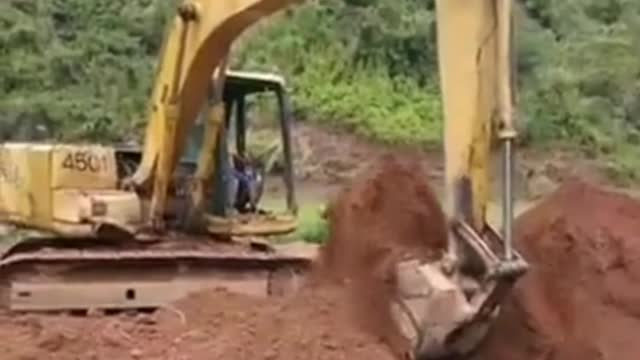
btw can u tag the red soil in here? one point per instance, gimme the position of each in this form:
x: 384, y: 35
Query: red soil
x: 581, y: 297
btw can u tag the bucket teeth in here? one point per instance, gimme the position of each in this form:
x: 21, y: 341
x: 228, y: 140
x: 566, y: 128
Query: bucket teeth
x: 448, y: 313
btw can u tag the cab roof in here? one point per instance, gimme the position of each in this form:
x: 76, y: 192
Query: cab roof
x: 251, y: 82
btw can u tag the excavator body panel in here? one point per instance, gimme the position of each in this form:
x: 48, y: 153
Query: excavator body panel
x: 63, y: 188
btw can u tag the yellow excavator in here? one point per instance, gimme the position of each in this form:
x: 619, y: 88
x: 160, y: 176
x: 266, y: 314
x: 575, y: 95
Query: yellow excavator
x: 99, y: 227
x: 109, y: 228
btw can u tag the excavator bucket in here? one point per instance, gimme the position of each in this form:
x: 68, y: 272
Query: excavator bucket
x: 446, y: 311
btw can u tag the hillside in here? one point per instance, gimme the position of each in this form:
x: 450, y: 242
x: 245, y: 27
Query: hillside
x: 84, y: 69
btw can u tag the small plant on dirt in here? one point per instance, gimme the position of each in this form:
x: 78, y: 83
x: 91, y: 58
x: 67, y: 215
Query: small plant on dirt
x: 312, y: 227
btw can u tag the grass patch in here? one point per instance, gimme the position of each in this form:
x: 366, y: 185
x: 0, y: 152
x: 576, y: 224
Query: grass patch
x: 312, y: 227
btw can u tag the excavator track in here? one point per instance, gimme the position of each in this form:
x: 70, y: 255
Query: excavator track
x: 54, y: 279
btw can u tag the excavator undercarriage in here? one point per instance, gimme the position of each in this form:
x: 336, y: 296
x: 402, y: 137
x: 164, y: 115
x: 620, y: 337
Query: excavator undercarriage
x: 57, y: 275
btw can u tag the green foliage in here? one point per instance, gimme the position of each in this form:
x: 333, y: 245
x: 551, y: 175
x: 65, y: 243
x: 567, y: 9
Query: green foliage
x: 374, y: 106
x: 368, y: 67
x: 312, y: 227
x: 84, y: 69
x: 580, y: 77
x: 81, y: 68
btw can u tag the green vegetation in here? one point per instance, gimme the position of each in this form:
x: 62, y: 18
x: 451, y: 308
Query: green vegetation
x: 368, y: 69
x: 312, y: 227
x: 580, y: 78
x: 84, y: 69
x: 81, y: 68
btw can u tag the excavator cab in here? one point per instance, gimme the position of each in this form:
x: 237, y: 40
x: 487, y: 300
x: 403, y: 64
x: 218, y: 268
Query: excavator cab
x: 238, y: 186
x: 233, y: 206
x: 235, y: 192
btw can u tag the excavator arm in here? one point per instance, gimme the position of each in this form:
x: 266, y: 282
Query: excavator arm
x: 196, y: 45
x: 462, y: 293
x: 474, y: 46
x: 476, y: 72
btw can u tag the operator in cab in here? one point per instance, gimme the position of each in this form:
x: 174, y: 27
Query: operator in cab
x: 246, y: 184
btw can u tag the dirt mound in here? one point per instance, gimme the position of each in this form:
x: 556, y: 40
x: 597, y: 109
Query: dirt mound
x: 387, y: 214
x: 581, y: 297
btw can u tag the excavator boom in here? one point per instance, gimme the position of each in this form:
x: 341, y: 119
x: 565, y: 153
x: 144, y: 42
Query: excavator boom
x: 475, y: 56
x: 197, y: 44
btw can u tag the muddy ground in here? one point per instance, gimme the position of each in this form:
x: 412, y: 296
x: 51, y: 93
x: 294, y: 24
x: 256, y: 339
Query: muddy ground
x: 578, y: 301
x: 209, y: 325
